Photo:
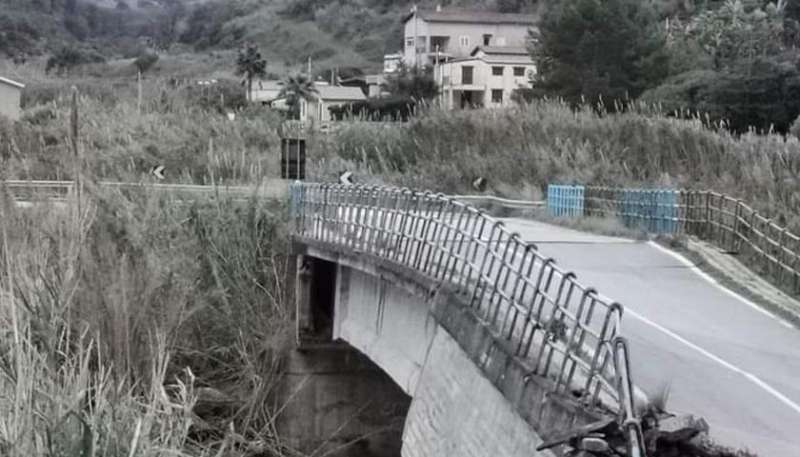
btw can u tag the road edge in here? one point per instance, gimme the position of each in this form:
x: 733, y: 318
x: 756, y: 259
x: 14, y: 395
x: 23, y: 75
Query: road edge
x: 723, y: 270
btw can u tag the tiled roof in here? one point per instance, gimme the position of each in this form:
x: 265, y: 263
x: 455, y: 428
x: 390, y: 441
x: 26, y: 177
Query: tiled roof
x: 512, y: 59
x: 265, y: 84
x: 478, y: 17
x: 502, y: 50
x: 340, y: 93
x: 12, y: 83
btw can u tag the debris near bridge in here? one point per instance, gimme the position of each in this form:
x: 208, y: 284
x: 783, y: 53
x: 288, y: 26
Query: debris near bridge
x: 665, y: 435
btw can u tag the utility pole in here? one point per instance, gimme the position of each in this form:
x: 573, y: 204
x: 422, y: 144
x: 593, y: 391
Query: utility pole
x: 76, y: 157
x: 440, y: 79
x: 416, y: 18
x: 139, y: 96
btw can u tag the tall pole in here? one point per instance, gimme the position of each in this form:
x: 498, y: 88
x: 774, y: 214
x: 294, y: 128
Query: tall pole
x: 139, y: 97
x: 440, y: 69
x: 416, y: 54
x: 73, y: 129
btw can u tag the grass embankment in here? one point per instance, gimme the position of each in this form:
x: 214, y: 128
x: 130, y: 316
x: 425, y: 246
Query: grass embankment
x: 115, y: 321
x: 522, y: 149
x: 183, y: 128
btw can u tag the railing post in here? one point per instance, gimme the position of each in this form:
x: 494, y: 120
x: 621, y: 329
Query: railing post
x: 721, y: 232
x: 780, y: 255
x: 708, y: 228
x: 737, y: 215
x: 630, y: 424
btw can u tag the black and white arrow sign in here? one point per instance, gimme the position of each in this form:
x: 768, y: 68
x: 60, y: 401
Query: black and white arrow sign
x: 158, y: 171
x: 344, y: 178
x: 479, y: 184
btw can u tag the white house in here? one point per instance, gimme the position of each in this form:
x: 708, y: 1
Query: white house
x: 317, y: 110
x: 265, y: 91
x: 10, y: 98
x: 447, y: 33
x: 486, y: 78
x: 391, y: 62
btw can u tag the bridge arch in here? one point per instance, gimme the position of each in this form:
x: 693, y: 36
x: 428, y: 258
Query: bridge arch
x: 475, y: 325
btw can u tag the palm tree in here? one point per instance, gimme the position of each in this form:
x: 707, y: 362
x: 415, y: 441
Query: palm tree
x: 296, y: 88
x: 250, y: 65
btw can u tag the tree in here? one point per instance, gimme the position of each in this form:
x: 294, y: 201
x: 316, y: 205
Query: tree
x: 296, y: 88
x: 145, y: 61
x: 763, y: 95
x: 70, y: 7
x: 748, y: 73
x: 67, y: 58
x: 413, y: 84
x: 250, y: 65
x: 92, y: 18
x: 738, y: 30
x: 598, y: 49
x: 510, y: 6
x: 167, y: 23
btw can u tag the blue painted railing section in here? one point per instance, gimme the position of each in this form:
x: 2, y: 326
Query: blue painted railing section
x: 565, y: 201
x: 651, y: 210
x: 654, y: 211
x: 561, y: 329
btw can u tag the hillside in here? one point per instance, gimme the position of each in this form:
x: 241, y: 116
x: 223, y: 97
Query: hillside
x: 342, y: 33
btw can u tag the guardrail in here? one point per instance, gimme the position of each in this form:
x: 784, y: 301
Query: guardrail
x: 764, y: 246
x: 63, y: 190
x: 502, y: 202
x: 564, y: 330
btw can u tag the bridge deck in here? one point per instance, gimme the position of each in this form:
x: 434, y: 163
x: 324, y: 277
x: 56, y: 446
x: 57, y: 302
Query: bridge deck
x: 730, y: 362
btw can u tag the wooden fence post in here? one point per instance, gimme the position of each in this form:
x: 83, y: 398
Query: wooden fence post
x: 707, y: 224
x: 737, y: 214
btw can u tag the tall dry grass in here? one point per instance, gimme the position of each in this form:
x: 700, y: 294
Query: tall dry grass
x: 114, y: 322
x: 523, y: 148
x: 184, y: 128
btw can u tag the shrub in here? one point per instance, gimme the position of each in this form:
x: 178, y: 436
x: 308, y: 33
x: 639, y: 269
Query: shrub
x: 376, y: 109
x: 763, y: 96
x: 67, y: 58
x: 795, y: 128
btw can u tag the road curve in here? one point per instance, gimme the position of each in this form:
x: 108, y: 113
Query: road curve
x: 724, y: 358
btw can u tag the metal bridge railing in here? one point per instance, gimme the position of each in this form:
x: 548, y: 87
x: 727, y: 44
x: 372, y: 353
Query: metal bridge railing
x: 565, y: 331
x: 764, y: 246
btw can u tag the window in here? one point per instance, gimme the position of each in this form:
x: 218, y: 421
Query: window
x: 497, y: 71
x: 497, y: 95
x: 466, y: 75
x: 464, y: 41
x: 519, y: 71
x: 487, y: 39
x: 410, y: 42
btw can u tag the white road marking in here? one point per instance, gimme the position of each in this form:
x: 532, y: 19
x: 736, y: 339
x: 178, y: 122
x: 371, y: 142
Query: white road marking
x: 716, y: 283
x: 753, y: 378
x: 749, y: 376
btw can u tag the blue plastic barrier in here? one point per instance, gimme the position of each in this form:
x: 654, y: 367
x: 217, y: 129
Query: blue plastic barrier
x: 655, y: 211
x: 565, y: 201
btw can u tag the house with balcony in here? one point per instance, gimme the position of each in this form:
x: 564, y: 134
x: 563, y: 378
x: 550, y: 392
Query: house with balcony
x: 444, y: 33
x: 485, y: 79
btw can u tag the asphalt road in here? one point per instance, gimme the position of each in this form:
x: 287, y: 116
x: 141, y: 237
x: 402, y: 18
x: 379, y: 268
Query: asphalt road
x: 724, y: 358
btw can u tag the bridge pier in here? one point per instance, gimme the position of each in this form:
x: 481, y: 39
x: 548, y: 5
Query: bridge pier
x: 469, y: 394
x: 335, y: 400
